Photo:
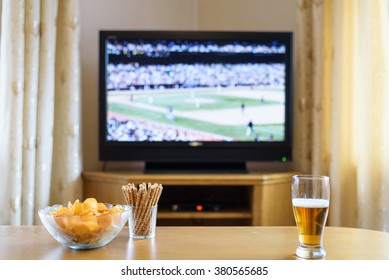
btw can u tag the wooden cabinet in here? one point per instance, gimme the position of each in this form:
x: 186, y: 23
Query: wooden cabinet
x: 259, y: 199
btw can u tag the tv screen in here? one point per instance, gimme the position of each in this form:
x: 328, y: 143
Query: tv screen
x: 195, y: 99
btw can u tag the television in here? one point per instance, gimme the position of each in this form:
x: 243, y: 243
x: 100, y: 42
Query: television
x: 195, y: 101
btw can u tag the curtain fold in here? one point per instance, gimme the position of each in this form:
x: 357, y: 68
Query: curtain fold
x: 32, y: 39
x: 342, y: 165
x: 302, y: 149
x: 45, y: 103
x: 66, y: 179
x: 29, y: 56
x: 11, y: 88
x: 346, y: 136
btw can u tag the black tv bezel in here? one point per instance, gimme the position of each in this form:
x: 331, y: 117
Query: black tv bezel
x: 184, y: 154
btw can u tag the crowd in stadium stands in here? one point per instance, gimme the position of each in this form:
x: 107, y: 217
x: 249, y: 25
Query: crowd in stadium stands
x: 133, y: 131
x: 135, y: 76
x: 162, y: 48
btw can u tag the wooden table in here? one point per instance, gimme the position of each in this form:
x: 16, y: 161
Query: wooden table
x: 197, y: 243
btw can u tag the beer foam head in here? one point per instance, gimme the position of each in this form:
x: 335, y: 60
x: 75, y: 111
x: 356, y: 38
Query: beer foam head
x: 310, y: 202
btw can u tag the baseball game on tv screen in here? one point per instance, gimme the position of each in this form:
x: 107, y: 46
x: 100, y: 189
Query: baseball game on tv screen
x: 190, y: 90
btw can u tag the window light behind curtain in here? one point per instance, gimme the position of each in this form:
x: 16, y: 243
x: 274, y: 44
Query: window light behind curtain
x: 342, y: 106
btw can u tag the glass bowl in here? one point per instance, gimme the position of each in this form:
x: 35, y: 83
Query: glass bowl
x: 84, y: 232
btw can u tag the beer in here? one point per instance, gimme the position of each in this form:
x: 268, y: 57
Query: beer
x: 310, y: 215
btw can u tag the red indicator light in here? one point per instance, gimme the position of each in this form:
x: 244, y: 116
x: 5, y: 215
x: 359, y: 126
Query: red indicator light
x: 199, y: 208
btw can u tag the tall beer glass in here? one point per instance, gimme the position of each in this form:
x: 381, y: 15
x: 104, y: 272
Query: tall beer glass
x: 311, y: 200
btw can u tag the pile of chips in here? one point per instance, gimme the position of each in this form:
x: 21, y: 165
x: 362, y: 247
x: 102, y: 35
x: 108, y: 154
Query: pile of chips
x: 86, y: 221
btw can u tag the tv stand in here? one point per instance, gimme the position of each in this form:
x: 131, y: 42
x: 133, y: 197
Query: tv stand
x: 253, y: 198
x: 195, y: 167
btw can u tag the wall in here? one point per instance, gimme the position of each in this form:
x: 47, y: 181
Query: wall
x: 119, y: 14
x: 248, y: 15
x: 244, y: 15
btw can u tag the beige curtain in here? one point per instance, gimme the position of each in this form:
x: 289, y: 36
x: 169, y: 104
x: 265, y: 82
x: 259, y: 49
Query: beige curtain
x: 342, y: 106
x: 40, y: 155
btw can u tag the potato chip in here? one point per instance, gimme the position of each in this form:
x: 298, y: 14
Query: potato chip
x: 60, y: 211
x: 101, y: 207
x: 77, y: 226
x: 90, y: 204
x: 115, y: 209
x: 91, y: 223
x: 62, y: 221
x: 75, y: 209
x: 104, y: 220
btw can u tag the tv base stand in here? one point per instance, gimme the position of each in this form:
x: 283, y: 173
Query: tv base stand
x: 259, y: 199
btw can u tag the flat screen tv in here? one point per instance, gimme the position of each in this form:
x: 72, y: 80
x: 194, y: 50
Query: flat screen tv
x: 195, y: 100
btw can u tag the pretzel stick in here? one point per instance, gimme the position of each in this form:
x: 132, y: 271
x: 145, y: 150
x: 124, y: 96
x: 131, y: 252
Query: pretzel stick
x: 146, y: 228
x: 159, y: 188
x: 133, y: 195
x: 145, y: 209
x: 127, y: 195
x: 128, y: 191
x: 140, y: 201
